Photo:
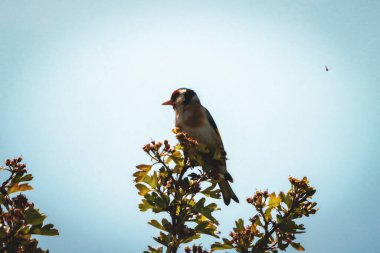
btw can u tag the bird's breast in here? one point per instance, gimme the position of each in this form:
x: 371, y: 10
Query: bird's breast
x: 194, y: 122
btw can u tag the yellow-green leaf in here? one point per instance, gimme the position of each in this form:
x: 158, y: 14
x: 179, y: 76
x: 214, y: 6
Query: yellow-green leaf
x: 19, y: 188
x: 144, y: 167
x: 285, y: 198
x: 274, y: 201
x: 219, y: 246
x: 47, y: 230
x: 177, y: 157
x: 33, y: 216
x: 168, y: 160
x: 139, y: 176
x: 268, y: 213
x: 156, y: 224
x: 239, y: 225
x: 27, y: 177
x: 143, y: 189
x: 151, y: 180
x: 144, y: 205
x: 297, y: 246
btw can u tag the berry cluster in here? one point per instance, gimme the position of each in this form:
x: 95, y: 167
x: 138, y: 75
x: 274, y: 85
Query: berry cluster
x: 195, y: 249
x: 16, y: 165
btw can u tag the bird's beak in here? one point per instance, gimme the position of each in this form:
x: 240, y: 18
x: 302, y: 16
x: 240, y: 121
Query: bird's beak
x: 169, y: 102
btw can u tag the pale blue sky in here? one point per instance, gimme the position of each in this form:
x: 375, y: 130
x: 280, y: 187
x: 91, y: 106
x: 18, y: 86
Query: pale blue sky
x: 81, y: 86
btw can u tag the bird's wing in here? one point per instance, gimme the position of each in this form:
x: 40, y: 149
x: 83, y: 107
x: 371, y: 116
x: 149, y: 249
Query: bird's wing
x: 213, y: 124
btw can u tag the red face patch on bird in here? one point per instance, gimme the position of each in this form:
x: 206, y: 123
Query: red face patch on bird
x: 176, y: 93
x: 187, y: 93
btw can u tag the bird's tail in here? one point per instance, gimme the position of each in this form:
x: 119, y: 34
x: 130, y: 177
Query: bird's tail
x: 227, y: 191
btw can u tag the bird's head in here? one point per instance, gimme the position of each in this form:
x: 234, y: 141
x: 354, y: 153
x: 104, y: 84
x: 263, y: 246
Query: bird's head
x: 182, y: 97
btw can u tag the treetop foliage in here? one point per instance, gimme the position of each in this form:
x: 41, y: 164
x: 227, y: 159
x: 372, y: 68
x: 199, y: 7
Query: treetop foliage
x: 19, y: 218
x: 180, y: 183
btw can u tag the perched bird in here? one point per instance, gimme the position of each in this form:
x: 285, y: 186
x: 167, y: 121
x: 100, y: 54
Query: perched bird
x: 195, y: 120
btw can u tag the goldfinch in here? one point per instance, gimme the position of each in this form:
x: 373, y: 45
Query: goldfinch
x: 195, y: 120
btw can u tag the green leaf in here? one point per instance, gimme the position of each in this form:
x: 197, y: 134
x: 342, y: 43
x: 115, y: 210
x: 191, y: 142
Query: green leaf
x: 288, y: 226
x: 207, y: 212
x: 19, y: 187
x: 168, y: 160
x: 297, y: 246
x: 154, y: 182
x: 163, y: 239
x: 199, y: 204
x: 215, y: 194
x: 208, y: 189
x: 226, y: 241
x: 165, y: 222
x: 23, y: 230
x: 143, y: 189
x: 144, y: 167
x: 239, y: 225
x: 191, y: 238
x: 268, y: 213
x: 33, y: 216
x: 158, y: 203
x: 156, y: 224
x: 201, y: 225
x: 206, y: 227
x: 177, y: 157
x: 145, y: 206
x: 210, y: 192
x: 220, y: 246
x: 46, y: 230
x: 212, y: 206
x: 151, y: 180
x: 27, y: 177
x: 310, y: 192
x: 154, y: 250
x: 274, y: 201
x: 286, y: 199
x: 139, y: 176
x: 258, y: 221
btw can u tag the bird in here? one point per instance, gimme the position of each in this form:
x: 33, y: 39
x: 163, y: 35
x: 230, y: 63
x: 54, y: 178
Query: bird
x: 326, y: 68
x: 194, y: 119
